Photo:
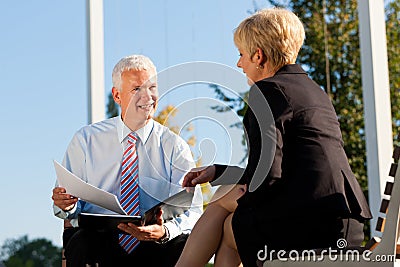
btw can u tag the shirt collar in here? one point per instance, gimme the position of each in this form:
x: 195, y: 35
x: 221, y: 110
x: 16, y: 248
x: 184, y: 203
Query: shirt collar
x: 143, y: 133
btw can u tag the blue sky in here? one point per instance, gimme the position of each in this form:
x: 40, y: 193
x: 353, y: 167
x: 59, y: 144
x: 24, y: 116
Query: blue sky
x: 43, y: 74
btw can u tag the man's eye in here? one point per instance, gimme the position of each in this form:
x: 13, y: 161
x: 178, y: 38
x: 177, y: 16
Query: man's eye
x: 136, y: 89
x: 240, y: 54
x: 153, y: 88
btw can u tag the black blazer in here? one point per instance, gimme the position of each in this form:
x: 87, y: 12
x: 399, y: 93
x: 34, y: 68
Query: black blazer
x: 310, y: 170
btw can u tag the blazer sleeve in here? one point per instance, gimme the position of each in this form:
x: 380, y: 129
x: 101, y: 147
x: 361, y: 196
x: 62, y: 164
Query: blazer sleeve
x: 265, y: 123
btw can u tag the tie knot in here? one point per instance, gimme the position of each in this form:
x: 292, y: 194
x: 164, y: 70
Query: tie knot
x: 132, y: 138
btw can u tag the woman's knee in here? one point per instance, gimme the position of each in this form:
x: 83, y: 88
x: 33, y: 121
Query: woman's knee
x: 227, y: 195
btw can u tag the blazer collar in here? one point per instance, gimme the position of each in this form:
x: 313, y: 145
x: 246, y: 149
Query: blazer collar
x: 291, y: 68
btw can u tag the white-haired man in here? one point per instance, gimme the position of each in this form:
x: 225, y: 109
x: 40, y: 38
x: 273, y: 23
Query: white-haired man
x: 97, y: 154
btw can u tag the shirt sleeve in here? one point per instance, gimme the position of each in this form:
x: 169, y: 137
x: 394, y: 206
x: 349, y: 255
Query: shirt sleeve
x: 74, y: 161
x: 184, y: 223
x: 182, y: 161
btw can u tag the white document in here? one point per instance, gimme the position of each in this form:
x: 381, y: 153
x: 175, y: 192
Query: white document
x: 87, y: 192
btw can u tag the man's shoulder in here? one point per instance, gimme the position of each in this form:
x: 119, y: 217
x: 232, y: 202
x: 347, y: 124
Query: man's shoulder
x: 166, y: 135
x: 98, y: 127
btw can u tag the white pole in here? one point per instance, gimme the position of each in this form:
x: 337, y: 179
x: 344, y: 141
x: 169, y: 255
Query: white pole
x: 376, y: 95
x: 96, y: 98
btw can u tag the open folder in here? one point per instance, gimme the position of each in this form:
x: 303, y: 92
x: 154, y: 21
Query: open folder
x: 171, y: 207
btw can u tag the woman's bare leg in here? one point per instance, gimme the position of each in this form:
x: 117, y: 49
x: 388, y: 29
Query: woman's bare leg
x: 227, y: 254
x: 206, y: 235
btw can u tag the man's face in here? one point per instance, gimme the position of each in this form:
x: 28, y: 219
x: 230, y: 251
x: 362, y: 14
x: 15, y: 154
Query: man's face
x: 138, y: 97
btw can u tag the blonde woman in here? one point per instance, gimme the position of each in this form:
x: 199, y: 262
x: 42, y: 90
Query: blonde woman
x: 309, y: 197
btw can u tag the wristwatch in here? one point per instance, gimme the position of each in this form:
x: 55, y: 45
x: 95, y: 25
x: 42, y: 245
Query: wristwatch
x: 164, y: 239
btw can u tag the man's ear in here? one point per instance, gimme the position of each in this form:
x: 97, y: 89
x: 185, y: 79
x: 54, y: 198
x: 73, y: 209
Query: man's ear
x: 116, y: 95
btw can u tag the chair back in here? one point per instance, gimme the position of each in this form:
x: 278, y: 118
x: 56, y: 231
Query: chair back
x: 389, y: 226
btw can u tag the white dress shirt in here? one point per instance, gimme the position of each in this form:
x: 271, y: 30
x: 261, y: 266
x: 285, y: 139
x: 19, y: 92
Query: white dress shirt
x: 95, y: 155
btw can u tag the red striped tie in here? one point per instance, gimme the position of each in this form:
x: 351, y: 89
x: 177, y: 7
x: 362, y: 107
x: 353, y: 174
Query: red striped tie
x: 130, y: 189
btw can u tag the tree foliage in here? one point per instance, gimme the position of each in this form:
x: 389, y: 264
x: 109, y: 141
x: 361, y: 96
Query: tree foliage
x: 24, y: 253
x: 340, y: 75
x: 393, y: 44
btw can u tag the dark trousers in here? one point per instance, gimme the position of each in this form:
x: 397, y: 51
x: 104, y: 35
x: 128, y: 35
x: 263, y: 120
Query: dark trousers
x: 254, y: 232
x: 91, y: 247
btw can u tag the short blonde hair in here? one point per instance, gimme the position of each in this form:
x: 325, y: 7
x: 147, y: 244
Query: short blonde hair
x: 278, y: 32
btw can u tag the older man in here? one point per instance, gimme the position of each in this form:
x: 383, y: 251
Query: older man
x: 138, y: 160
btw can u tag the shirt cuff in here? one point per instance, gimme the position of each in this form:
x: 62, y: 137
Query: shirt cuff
x: 172, y: 229
x: 165, y: 238
x: 64, y: 214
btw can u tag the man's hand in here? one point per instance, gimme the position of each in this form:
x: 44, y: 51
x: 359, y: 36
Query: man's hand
x: 199, y: 176
x: 63, y: 200
x: 152, y: 232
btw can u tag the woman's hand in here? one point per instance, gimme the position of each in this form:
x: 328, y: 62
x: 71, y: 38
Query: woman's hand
x: 199, y: 176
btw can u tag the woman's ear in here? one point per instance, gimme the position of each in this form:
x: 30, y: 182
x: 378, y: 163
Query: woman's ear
x: 260, y: 57
x: 116, y: 95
